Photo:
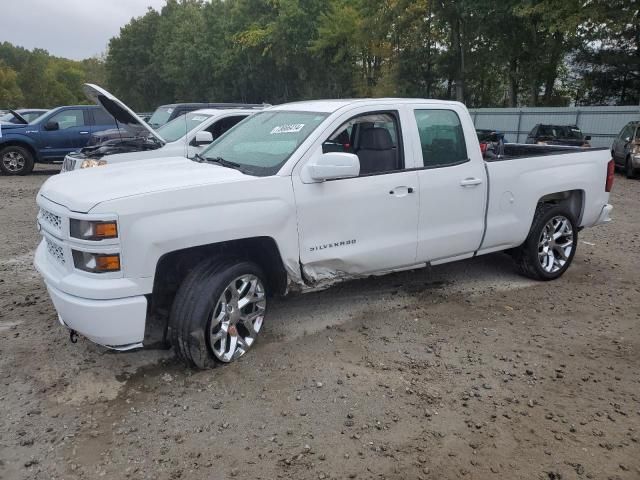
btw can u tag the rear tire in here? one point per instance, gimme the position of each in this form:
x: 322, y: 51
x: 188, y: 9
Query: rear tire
x: 629, y: 171
x: 551, y: 244
x: 218, y: 312
x: 16, y: 160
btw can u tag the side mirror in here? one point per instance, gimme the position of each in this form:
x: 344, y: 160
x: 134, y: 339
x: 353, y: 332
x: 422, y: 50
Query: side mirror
x: 587, y: 138
x: 627, y: 139
x: 203, y: 138
x: 51, y: 126
x: 332, y: 165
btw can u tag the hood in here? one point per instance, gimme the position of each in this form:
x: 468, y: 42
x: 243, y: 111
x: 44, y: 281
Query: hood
x: 117, y: 109
x: 81, y: 190
x: 19, y: 117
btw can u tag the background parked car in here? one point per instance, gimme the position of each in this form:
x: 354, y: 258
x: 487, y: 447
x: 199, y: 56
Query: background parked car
x: 134, y: 139
x: 166, y: 113
x: 626, y: 149
x: 29, y: 114
x: 569, y: 135
x: 50, y: 137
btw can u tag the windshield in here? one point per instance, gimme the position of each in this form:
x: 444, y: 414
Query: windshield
x: 160, y: 116
x: 263, y: 142
x: 178, y: 127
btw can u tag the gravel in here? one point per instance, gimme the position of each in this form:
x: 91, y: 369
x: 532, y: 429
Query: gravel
x: 460, y: 371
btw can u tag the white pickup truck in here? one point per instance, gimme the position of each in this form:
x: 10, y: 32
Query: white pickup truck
x: 297, y: 197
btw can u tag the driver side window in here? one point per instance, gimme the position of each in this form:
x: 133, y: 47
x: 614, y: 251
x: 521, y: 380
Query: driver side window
x: 374, y: 138
x: 68, y: 119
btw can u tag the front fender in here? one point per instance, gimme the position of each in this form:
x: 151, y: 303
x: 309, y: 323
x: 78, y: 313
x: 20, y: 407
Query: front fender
x: 152, y: 225
x: 10, y: 138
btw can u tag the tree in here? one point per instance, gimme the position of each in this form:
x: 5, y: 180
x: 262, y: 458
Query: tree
x: 10, y: 94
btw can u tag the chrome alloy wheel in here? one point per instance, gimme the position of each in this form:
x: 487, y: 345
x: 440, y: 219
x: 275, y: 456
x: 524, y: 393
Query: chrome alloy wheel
x: 555, y: 244
x: 237, y: 318
x: 13, y: 161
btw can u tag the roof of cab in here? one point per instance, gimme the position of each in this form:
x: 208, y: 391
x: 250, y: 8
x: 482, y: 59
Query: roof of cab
x: 220, y: 111
x: 333, y: 105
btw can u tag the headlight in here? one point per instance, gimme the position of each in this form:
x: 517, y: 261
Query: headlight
x: 96, y: 262
x: 89, y: 163
x: 541, y: 143
x: 93, y: 230
x: 636, y: 148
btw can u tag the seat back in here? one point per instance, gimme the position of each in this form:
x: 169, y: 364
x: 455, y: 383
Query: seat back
x: 376, y: 152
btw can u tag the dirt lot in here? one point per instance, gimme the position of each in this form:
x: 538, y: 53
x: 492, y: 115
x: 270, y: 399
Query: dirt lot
x: 462, y: 371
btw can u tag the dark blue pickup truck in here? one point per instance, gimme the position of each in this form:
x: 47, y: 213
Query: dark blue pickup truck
x: 50, y: 137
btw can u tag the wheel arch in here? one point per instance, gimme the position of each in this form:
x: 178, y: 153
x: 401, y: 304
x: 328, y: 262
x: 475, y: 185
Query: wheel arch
x: 16, y: 142
x: 572, y: 199
x: 173, y: 267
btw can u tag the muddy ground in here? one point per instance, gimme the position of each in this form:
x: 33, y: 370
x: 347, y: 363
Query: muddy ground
x: 461, y: 371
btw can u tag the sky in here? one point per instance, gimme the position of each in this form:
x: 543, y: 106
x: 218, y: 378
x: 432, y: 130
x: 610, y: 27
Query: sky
x: 74, y: 29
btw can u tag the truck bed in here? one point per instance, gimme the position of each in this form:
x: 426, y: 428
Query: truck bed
x: 522, y: 150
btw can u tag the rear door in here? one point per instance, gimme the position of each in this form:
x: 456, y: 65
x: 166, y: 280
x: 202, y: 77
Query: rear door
x: 366, y: 224
x: 452, y: 186
x: 72, y: 132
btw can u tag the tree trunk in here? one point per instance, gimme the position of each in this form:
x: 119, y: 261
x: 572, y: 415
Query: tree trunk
x: 458, y: 58
x: 513, y: 83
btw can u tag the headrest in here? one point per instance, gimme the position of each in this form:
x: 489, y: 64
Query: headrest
x: 376, y: 138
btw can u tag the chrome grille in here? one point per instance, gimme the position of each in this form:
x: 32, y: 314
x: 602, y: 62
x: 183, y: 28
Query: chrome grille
x: 68, y: 164
x: 55, y: 251
x: 51, y: 219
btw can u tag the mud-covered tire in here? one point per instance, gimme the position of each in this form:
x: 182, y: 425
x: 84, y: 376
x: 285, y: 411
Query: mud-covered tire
x: 529, y: 256
x: 192, y: 315
x: 629, y: 171
x: 16, y: 160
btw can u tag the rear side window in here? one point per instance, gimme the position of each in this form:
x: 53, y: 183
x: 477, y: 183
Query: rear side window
x: 101, y: 117
x: 441, y: 138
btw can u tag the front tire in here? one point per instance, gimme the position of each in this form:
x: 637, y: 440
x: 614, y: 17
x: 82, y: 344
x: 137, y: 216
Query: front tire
x: 551, y: 244
x: 218, y: 312
x: 629, y: 171
x: 16, y: 160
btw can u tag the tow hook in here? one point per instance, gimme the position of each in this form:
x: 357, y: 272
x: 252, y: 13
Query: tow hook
x: 73, y: 336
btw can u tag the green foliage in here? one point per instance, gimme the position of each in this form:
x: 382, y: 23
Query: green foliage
x: 36, y: 79
x: 481, y: 52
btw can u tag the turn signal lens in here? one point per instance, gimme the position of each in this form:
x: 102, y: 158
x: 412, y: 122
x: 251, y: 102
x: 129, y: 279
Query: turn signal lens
x: 106, y: 230
x: 93, y: 230
x: 96, y: 262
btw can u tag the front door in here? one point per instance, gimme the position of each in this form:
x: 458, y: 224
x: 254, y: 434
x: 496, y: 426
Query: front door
x: 452, y: 187
x: 72, y: 133
x: 366, y: 224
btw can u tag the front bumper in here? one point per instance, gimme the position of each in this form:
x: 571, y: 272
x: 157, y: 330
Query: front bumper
x: 118, y: 324
x: 115, y: 314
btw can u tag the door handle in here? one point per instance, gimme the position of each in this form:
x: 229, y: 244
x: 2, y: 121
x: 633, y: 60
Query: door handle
x: 470, y: 182
x: 401, y: 191
x: 83, y: 133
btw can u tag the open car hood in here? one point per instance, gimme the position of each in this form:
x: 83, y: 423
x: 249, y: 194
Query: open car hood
x: 20, y: 118
x: 117, y: 109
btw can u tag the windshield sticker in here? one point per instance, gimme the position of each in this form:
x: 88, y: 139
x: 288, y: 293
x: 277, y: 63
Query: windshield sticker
x: 199, y: 119
x: 291, y: 128
x: 169, y: 111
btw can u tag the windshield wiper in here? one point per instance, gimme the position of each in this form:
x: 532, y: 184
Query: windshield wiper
x: 220, y: 161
